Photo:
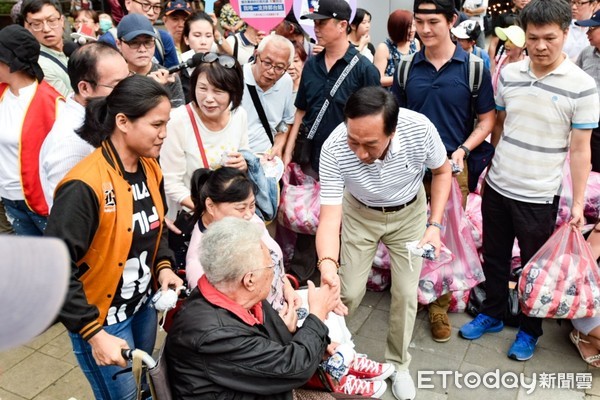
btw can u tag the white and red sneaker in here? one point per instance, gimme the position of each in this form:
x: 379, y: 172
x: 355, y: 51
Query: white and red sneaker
x: 354, y: 386
x: 364, y: 368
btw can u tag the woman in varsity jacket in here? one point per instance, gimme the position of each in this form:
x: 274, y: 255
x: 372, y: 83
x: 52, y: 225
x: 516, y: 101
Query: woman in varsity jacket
x: 109, y: 210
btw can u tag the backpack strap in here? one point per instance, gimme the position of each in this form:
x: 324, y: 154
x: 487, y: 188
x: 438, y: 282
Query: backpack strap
x: 403, y: 68
x: 55, y: 61
x: 160, y: 46
x: 475, y: 79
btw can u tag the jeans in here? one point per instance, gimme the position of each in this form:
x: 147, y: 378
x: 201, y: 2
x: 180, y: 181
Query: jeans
x: 24, y: 221
x: 139, y: 331
x: 503, y: 220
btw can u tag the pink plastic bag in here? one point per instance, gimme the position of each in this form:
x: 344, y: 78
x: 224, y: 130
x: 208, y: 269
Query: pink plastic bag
x: 561, y: 280
x: 591, y: 208
x: 458, y: 302
x: 463, y: 270
x: 300, y: 204
x: 474, y: 218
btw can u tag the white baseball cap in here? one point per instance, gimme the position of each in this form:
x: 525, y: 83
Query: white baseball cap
x: 513, y: 33
x: 34, y: 277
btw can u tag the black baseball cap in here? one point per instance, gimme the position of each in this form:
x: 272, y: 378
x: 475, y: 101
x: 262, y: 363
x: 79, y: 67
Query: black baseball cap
x: 324, y: 9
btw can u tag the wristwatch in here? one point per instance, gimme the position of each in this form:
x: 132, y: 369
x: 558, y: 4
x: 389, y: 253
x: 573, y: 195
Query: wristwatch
x: 282, y: 127
x: 466, y: 150
x: 437, y: 225
x: 220, y: 42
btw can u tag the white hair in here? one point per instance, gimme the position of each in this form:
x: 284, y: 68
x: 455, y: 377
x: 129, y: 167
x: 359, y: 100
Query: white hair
x: 277, y: 39
x: 230, y: 249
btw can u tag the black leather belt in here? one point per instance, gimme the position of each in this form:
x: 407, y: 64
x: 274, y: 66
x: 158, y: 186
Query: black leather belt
x: 389, y: 209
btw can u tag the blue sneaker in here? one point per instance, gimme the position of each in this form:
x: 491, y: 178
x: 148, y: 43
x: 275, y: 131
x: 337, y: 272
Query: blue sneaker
x: 480, y: 325
x: 523, y: 347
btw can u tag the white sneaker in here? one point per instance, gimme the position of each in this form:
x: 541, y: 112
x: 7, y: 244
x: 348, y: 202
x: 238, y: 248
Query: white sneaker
x: 403, y: 386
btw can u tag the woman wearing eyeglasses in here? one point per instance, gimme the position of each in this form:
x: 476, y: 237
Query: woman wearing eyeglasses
x: 109, y: 211
x: 208, y: 132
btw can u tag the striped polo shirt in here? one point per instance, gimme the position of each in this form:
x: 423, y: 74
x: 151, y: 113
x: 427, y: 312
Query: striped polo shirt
x: 393, y: 181
x: 540, y: 113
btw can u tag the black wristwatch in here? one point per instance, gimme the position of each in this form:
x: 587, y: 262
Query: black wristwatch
x: 466, y: 150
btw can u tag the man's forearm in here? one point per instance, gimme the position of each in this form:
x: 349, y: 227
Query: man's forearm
x: 293, y: 134
x: 441, y: 183
x: 580, y: 170
x: 482, y: 130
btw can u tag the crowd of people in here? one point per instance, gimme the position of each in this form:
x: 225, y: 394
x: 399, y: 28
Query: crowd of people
x: 134, y: 137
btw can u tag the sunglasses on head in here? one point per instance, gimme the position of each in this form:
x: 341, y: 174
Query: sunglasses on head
x: 223, y: 59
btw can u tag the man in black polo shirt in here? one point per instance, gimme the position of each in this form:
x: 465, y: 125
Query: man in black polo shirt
x: 319, y: 77
x: 321, y: 73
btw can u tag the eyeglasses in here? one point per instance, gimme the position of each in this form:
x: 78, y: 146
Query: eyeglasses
x: 147, y: 6
x: 131, y: 73
x: 271, y: 267
x: 52, y: 23
x: 579, y: 3
x: 279, y: 69
x: 148, y: 43
x: 591, y: 29
x: 223, y: 59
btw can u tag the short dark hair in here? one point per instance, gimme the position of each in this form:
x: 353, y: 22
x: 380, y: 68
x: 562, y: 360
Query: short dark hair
x: 445, y: 7
x: 196, y: 16
x: 83, y: 62
x: 546, y: 12
x: 373, y: 100
x: 223, y: 185
x: 359, y: 17
x: 134, y: 96
x: 399, y: 24
x: 230, y: 80
x: 34, y: 6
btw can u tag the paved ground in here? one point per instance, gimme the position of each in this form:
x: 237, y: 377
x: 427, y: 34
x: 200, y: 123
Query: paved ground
x: 45, y: 369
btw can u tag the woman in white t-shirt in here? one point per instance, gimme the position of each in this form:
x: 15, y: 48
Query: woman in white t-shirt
x: 222, y: 129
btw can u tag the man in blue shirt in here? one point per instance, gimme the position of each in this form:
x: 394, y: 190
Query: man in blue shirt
x: 165, y: 52
x: 438, y: 86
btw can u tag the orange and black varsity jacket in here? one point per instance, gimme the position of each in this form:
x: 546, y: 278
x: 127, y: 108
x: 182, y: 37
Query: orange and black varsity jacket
x: 93, y: 214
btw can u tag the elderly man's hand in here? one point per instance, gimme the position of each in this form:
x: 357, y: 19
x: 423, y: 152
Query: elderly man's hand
x: 289, y: 316
x: 322, y: 300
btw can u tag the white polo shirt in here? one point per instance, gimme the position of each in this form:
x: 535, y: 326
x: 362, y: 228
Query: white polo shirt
x: 393, y: 181
x: 540, y: 113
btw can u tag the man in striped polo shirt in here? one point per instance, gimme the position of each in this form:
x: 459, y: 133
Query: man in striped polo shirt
x: 371, y: 172
x: 547, y: 107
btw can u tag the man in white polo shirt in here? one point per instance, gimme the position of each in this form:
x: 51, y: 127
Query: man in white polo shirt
x: 273, y: 88
x: 371, y: 172
x: 547, y: 107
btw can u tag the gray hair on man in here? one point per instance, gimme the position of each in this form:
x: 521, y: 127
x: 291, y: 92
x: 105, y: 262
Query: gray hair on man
x: 230, y: 249
x: 278, y: 40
